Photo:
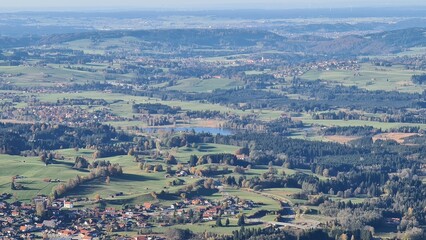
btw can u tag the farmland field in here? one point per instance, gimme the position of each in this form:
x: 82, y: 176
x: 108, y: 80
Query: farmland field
x: 32, y: 173
x: 204, y: 85
x: 394, y: 78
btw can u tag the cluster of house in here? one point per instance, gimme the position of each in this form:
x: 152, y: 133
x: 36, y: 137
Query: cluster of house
x: 61, y: 219
x: 350, y: 65
x: 294, y: 71
x: 208, y: 210
x: 69, y: 115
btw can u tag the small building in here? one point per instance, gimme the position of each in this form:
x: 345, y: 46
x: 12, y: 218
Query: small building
x: 207, y: 216
x: 182, y: 174
x: 68, y: 204
x: 147, y: 205
x: 25, y: 228
x: 66, y: 232
x: 140, y: 238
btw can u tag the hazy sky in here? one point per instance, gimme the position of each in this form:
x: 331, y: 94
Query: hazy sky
x: 6, y: 5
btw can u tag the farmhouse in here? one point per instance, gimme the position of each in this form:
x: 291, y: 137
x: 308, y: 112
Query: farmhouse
x: 68, y: 204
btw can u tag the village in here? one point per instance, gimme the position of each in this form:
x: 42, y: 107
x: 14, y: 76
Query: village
x: 61, y: 218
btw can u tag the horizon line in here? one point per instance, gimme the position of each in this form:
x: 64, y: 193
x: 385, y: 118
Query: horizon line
x: 118, y: 10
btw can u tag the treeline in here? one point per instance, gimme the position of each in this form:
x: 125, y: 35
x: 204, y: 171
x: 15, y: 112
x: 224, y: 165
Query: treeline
x: 154, y: 108
x: 273, y: 233
x: 418, y: 79
x: 272, y: 145
x: 207, y: 114
x: 267, y: 148
x: 412, y: 116
x: 179, y: 37
x: 15, y: 138
x: 99, y: 169
x: 248, y: 122
x: 378, y: 101
x: 367, y: 131
x: 283, y: 126
x: 404, y: 200
x: 351, y: 131
x: 81, y: 101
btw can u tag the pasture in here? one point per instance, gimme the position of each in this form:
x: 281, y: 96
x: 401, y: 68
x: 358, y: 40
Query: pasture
x: 395, y: 78
x: 210, y: 227
x: 121, y: 105
x: 204, y: 85
x: 32, y: 173
x: 47, y: 76
x: 183, y: 153
x: 135, y: 184
x: 380, y: 125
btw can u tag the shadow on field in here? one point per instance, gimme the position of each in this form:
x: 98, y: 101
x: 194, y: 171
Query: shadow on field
x: 131, y: 200
x: 88, y: 188
x: 167, y: 196
x: 85, y: 152
x: 133, y: 177
x: 207, y: 147
x: 68, y: 164
x: 249, y: 174
x: 81, y: 170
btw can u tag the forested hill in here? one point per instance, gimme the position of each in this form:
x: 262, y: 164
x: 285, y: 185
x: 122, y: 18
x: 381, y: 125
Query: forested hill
x: 405, y: 37
x: 10, y: 42
x: 377, y: 43
x: 181, y: 37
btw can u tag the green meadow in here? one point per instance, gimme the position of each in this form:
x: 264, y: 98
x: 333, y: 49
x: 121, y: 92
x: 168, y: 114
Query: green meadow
x: 33, y: 172
x: 395, y: 78
x: 204, y: 85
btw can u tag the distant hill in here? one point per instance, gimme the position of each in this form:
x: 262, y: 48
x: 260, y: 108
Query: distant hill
x: 377, y: 43
x: 180, y: 37
x: 410, y: 37
x: 9, y: 42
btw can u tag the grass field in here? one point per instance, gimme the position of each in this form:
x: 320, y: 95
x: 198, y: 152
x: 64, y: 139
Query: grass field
x: 125, y: 106
x: 183, y: 153
x: 285, y: 193
x: 371, y: 78
x: 101, y: 47
x: 353, y: 200
x: 266, y: 203
x: 209, y: 226
x: 134, y: 183
x: 122, y: 104
x: 381, y: 125
x: 33, y: 172
x: 50, y: 75
x: 71, y: 153
x: 204, y: 85
x: 415, y: 51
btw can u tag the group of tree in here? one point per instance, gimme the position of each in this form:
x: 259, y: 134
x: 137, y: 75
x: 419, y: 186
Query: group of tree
x: 100, y: 169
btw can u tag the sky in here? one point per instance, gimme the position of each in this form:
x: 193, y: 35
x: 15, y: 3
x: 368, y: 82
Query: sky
x: 41, y: 5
